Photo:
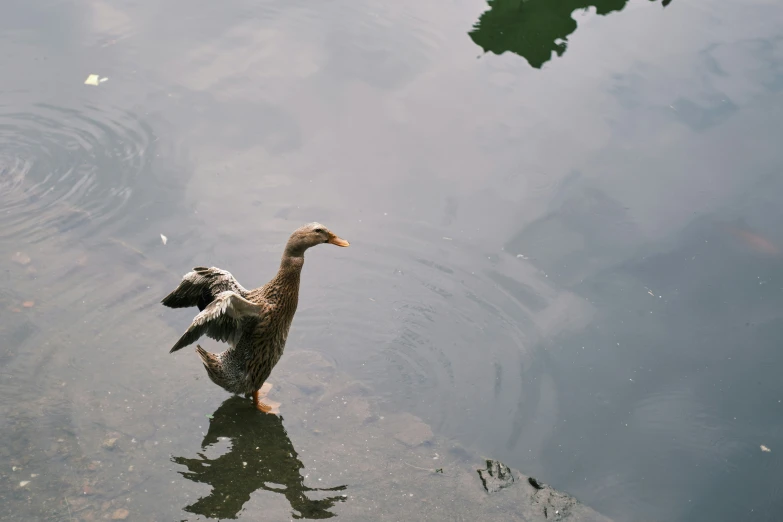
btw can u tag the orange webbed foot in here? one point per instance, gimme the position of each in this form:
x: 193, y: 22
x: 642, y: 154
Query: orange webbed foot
x: 267, y: 406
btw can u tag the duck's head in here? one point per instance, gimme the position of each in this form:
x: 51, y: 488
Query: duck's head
x: 310, y: 235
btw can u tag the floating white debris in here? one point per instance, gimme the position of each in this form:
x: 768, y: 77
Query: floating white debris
x: 164, y: 239
x: 447, y: 238
x: 765, y: 449
x: 104, y: 79
x: 24, y: 483
x: 91, y: 80
x: 522, y: 256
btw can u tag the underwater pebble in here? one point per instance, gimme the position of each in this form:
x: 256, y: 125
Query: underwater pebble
x: 21, y: 258
x: 110, y: 443
x: 120, y: 514
x: 412, y: 430
x: 24, y: 483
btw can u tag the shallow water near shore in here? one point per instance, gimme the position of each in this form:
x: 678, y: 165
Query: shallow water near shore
x: 565, y: 254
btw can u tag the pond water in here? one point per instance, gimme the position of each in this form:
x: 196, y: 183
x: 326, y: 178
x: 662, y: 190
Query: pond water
x: 566, y: 249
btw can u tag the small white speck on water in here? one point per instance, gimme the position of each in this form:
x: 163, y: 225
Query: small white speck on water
x: 24, y: 483
x: 164, y: 239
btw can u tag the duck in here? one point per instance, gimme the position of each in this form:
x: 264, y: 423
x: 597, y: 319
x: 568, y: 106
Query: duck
x: 254, y: 323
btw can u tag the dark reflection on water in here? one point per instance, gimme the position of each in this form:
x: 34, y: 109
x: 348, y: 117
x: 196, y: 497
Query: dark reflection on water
x: 534, y: 29
x: 692, y: 332
x: 260, y: 456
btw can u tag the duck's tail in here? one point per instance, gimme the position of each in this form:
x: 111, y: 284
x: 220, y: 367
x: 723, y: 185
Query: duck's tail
x: 212, y: 364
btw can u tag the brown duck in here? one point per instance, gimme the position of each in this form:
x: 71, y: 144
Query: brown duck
x: 254, y: 323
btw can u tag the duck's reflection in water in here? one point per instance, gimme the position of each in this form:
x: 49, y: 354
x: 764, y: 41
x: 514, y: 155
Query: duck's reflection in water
x: 260, y: 456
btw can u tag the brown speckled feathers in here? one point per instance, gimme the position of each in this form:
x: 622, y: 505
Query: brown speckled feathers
x: 254, y: 323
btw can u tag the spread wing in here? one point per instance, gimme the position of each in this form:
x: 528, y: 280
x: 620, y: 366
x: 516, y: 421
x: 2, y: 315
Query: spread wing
x: 223, y: 319
x: 201, y: 286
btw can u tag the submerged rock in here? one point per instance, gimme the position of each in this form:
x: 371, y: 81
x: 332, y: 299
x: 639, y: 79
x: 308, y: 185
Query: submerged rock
x: 496, y: 477
x: 534, y: 499
x: 409, y: 429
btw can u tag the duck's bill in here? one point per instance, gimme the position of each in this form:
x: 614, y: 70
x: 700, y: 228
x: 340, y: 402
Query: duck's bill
x: 338, y: 241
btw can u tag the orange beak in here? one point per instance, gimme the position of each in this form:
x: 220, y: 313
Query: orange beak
x: 337, y: 240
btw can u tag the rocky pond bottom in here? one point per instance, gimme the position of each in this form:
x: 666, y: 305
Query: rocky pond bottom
x: 99, y: 422
x: 360, y: 465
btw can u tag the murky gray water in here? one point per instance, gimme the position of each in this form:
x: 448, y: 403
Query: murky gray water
x: 566, y: 250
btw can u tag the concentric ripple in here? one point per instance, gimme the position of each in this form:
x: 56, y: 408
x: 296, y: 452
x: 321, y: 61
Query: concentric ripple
x: 65, y: 169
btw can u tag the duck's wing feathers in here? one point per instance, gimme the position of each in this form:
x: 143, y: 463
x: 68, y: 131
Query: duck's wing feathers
x: 201, y: 286
x: 224, y: 319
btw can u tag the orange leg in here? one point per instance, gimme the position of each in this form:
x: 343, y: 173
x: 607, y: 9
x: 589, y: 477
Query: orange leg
x: 266, y: 406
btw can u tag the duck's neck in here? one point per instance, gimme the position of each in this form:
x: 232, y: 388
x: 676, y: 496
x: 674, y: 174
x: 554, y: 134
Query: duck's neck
x: 285, y: 284
x: 291, y: 266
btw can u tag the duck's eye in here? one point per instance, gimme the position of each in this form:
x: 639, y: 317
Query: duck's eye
x: 319, y: 230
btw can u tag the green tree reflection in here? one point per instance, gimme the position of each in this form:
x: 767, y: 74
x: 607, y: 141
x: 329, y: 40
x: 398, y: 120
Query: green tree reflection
x: 534, y: 29
x: 260, y: 456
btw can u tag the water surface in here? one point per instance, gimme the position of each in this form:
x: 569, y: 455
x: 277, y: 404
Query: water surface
x: 565, y: 249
